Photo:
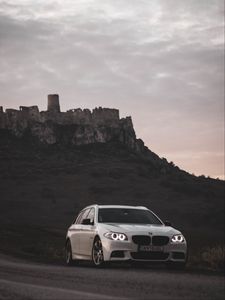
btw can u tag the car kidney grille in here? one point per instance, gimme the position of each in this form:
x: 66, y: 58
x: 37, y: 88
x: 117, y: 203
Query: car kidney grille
x: 158, y: 240
x: 141, y: 239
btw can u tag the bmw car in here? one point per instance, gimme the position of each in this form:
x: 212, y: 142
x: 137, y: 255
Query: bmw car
x: 107, y: 233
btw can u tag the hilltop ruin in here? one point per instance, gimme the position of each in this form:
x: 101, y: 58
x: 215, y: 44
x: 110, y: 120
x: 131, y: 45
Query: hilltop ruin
x: 75, y: 126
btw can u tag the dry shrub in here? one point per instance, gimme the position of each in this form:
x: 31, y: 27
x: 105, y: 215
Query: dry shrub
x: 214, y: 257
x: 208, y: 258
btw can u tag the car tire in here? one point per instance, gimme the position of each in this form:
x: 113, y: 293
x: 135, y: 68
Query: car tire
x: 68, y: 254
x: 97, y: 253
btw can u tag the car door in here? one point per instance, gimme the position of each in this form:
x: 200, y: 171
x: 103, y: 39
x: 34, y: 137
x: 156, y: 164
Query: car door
x: 75, y: 230
x: 88, y: 234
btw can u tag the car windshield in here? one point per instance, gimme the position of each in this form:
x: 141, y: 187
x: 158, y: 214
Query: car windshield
x: 127, y: 216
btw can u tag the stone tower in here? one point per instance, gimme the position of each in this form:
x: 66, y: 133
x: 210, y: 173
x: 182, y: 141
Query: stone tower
x: 53, y: 103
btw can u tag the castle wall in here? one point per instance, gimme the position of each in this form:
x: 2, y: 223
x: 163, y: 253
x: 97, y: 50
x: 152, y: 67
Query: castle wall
x: 97, y: 126
x: 79, y: 116
x: 12, y: 115
x: 106, y: 116
x: 15, y: 121
x: 97, y: 117
x: 30, y: 112
x: 2, y: 118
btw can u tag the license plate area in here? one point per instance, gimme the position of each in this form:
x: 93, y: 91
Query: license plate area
x: 150, y: 248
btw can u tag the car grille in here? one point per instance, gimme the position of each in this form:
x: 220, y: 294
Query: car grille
x: 150, y: 255
x: 158, y: 240
x: 141, y: 239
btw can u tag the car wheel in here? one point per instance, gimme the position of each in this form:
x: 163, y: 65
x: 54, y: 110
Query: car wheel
x: 68, y: 254
x: 97, y: 253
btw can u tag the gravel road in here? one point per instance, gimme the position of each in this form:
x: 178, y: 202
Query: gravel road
x: 22, y: 280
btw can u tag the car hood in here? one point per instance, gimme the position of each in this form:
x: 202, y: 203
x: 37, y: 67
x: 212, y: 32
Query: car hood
x: 140, y: 228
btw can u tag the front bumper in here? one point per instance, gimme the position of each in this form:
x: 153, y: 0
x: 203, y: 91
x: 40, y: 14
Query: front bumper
x: 128, y: 250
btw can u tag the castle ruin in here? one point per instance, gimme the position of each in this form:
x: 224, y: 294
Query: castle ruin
x: 75, y: 126
x: 53, y: 103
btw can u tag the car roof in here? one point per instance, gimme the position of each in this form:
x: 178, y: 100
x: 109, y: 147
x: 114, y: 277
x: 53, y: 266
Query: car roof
x: 117, y: 206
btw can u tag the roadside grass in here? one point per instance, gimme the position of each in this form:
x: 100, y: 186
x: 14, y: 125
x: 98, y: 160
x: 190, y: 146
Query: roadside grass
x: 33, y: 243
x: 208, y: 258
x: 47, y: 252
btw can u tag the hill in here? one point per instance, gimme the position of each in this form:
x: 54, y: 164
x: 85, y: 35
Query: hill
x: 55, y: 163
x: 43, y: 187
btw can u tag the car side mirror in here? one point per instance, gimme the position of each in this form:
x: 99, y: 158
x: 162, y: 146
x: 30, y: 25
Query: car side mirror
x: 87, y: 222
x: 167, y: 223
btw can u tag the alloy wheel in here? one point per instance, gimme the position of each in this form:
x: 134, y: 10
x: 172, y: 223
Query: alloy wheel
x: 97, y: 253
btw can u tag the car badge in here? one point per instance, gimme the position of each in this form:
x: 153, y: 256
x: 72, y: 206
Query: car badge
x: 150, y: 233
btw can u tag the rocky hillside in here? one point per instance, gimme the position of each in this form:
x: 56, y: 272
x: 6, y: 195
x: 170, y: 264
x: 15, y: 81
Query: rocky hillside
x: 44, y: 185
x: 49, y: 184
x: 74, y: 127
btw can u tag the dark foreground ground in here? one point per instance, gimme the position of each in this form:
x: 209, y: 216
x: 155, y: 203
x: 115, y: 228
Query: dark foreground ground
x: 20, y: 280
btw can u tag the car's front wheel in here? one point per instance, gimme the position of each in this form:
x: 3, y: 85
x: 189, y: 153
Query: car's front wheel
x: 97, y: 253
x: 68, y: 254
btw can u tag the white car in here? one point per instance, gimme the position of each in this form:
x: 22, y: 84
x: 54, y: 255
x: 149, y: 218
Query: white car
x: 106, y: 233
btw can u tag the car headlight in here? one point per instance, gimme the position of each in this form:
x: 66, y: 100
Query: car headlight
x: 178, y: 238
x: 116, y: 236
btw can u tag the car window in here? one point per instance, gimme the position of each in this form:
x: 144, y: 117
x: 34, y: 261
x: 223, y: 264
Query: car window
x: 83, y: 214
x: 127, y: 216
x: 79, y: 217
x: 91, y: 215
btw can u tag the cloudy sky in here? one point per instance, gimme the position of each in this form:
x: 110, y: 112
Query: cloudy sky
x: 160, y: 61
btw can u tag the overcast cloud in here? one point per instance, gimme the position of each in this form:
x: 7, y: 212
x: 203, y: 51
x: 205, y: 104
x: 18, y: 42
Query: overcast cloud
x: 160, y: 61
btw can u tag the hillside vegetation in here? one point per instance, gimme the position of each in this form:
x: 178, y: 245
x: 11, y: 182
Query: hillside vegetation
x: 44, y: 187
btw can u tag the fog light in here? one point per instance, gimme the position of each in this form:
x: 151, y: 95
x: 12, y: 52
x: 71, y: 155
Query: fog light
x: 117, y: 254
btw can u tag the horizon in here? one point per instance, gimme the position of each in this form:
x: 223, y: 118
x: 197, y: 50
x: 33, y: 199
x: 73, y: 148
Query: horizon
x: 159, y: 62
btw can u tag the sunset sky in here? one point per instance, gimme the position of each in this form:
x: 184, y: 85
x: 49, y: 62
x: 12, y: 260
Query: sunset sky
x: 160, y: 61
